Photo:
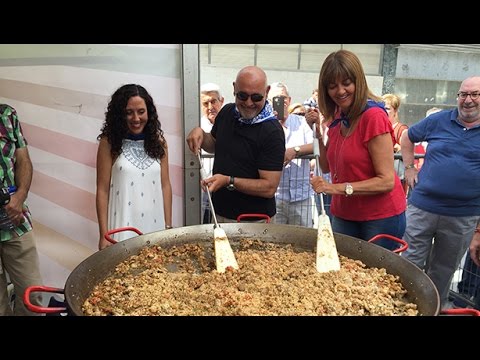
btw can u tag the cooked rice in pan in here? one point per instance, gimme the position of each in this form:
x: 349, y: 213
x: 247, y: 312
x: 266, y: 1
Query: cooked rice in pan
x: 273, y: 279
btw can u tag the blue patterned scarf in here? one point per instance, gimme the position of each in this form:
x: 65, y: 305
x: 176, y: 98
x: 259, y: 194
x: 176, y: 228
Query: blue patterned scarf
x: 265, y: 115
x: 346, y: 122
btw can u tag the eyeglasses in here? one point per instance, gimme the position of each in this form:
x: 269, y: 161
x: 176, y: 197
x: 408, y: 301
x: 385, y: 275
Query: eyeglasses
x: 463, y: 95
x: 243, y: 96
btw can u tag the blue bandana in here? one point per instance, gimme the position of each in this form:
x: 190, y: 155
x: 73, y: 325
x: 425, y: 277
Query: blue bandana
x: 346, y: 122
x: 265, y: 115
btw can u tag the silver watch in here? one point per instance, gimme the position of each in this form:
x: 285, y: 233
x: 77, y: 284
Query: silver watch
x: 348, y: 189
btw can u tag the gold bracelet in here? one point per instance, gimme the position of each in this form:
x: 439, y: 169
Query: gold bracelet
x: 411, y: 166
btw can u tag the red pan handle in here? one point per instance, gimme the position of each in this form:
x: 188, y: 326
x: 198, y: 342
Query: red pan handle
x: 393, y: 238
x: 114, y: 231
x: 472, y: 312
x: 257, y: 216
x: 39, y: 309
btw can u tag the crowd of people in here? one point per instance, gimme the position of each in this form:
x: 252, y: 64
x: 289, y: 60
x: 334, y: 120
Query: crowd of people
x: 369, y: 196
x: 259, y: 165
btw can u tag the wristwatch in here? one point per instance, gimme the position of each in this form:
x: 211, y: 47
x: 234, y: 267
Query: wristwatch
x: 348, y: 189
x: 297, y: 150
x: 230, y: 185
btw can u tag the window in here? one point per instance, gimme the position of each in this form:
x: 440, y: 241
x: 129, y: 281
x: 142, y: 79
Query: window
x: 419, y: 95
x: 289, y: 57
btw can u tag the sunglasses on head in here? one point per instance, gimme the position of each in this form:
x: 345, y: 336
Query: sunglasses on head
x: 243, y: 96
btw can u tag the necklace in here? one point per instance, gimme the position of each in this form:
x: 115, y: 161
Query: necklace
x: 337, y: 154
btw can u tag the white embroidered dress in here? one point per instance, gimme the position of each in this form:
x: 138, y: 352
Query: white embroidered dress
x: 136, y: 197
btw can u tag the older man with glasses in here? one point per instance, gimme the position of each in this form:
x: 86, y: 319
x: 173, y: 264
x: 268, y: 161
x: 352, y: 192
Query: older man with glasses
x: 445, y: 201
x: 249, y: 147
x: 211, y: 101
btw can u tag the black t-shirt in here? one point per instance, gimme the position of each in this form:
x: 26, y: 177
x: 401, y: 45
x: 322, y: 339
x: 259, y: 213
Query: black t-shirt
x: 240, y: 151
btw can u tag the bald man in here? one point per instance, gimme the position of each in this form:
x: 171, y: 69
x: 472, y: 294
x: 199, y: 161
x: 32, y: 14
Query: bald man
x: 249, y: 146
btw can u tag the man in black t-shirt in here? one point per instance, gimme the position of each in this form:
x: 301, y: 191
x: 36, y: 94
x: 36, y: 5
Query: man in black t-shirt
x: 249, y: 147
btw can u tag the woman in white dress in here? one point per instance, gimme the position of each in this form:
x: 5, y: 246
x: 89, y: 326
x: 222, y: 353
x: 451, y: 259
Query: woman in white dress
x: 133, y: 183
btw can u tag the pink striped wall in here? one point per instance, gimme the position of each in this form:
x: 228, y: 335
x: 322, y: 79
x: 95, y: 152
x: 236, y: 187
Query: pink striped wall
x: 60, y: 94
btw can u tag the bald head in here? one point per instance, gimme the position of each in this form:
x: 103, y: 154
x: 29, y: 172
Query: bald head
x: 252, y: 74
x: 251, y: 80
x: 471, y: 81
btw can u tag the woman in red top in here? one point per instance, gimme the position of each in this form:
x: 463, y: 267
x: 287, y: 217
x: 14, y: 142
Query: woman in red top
x: 368, y: 198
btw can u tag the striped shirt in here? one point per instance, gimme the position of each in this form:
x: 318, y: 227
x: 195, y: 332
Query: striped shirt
x: 11, y: 139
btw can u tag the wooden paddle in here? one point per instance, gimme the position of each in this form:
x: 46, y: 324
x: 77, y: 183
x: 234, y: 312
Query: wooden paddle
x: 327, y: 256
x: 224, y: 256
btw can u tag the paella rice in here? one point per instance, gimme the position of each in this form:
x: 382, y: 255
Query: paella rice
x: 273, y: 279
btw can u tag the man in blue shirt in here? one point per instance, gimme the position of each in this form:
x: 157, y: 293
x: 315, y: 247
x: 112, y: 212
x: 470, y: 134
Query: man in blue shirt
x: 445, y: 201
x: 294, y: 192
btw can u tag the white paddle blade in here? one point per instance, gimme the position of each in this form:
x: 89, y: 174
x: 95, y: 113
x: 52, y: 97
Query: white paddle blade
x: 316, y: 147
x: 327, y: 256
x: 224, y: 256
x: 203, y: 173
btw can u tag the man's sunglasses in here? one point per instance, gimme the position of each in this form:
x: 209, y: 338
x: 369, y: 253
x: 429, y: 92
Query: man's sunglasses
x: 243, y: 96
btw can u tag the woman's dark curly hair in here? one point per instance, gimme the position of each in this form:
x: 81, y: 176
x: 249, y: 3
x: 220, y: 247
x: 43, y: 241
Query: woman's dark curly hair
x: 115, y: 127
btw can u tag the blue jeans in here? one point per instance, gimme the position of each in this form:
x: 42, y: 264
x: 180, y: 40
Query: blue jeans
x: 394, y: 225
